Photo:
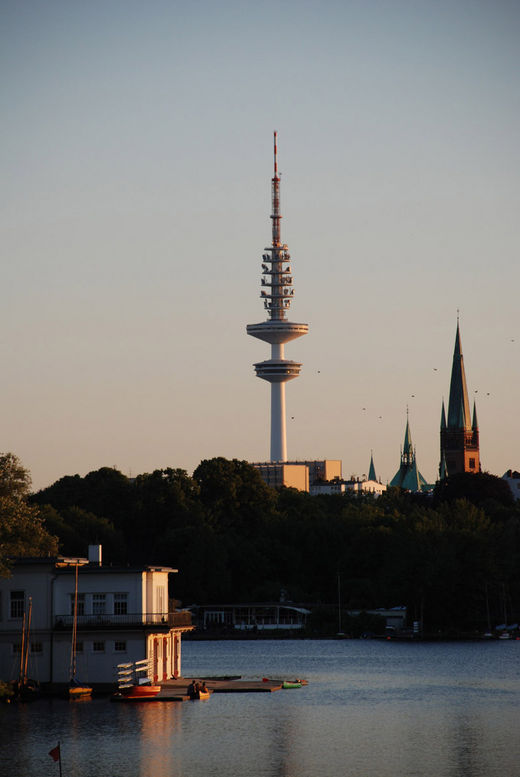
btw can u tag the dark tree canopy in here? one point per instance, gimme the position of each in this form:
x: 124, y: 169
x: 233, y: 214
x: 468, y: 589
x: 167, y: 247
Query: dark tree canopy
x: 479, y: 488
x: 448, y: 559
x: 22, y: 529
x: 233, y: 493
x: 105, y: 492
x: 15, y: 480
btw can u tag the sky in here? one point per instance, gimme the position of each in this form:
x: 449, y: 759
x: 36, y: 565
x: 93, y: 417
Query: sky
x: 135, y: 197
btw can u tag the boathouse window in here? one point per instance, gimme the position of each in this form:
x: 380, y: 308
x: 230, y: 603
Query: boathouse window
x: 36, y: 647
x: 98, y: 604
x: 81, y: 604
x: 120, y: 604
x: 17, y: 604
x: 120, y: 647
x: 98, y: 647
x: 17, y: 648
x: 79, y: 647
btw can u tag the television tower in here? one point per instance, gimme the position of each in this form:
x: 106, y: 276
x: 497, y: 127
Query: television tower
x: 277, y: 293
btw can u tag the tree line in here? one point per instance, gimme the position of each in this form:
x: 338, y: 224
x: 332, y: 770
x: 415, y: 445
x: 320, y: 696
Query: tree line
x: 452, y: 557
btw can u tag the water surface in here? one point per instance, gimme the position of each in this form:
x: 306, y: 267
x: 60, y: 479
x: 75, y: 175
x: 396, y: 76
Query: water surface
x: 371, y: 709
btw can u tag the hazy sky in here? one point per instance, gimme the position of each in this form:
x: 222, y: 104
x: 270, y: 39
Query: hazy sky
x: 135, y: 180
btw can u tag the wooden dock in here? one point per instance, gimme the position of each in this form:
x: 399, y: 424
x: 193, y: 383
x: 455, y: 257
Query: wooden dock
x: 176, y: 690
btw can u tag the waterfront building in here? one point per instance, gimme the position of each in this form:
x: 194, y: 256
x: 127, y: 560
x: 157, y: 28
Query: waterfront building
x: 277, y: 292
x: 460, y: 449
x: 123, y: 615
x: 276, y: 616
x: 408, y: 476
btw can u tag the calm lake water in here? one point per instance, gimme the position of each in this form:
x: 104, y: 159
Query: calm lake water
x: 371, y: 709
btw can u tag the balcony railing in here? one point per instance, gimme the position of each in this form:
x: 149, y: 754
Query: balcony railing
x: 128, y: 620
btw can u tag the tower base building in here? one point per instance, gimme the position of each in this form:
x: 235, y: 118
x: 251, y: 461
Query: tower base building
x: 301, y: 475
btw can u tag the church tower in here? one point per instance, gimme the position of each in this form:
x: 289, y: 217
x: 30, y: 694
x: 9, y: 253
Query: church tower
x: 459, y: 432
x: 408, y: 476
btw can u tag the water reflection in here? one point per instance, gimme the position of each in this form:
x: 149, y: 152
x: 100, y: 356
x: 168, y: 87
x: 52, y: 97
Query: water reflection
x: 282, y: 732
x: 157, y: 724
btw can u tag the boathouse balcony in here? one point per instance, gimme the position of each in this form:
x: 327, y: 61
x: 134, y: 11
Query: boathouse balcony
x: 139, y: 620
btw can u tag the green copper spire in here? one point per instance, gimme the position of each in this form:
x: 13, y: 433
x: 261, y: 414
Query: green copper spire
x: 443, y: 470
x: 413, y: 480
x: 408, y: 446
x: 372, y: 469
x: 458, y: 406
x: 408, y: 476
x: 474, y: 425
x: 443, y: 417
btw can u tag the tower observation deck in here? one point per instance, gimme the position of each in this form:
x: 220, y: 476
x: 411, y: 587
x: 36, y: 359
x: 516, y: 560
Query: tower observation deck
x: 277, y: 293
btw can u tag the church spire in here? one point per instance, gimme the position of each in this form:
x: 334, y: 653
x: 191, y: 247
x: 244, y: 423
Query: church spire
x: 474, y: 425
x: 459, y: 432
x: 408, y: 453
x: 443, y: 416
x: 372, y: 469
x: 443, y: 470
x: 408, y: 476
x: 458, y: 406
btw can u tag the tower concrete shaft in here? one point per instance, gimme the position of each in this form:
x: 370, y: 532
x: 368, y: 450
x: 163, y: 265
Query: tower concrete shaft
x: 277, y: 293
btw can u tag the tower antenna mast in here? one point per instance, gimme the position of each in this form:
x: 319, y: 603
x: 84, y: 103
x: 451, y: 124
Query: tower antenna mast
x: 275, y: 196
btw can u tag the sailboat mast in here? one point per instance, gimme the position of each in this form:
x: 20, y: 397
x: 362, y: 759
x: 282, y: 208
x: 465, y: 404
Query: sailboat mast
x: 26, y: 660
x: 22, y: 653
x: 339, y: 605
x: 74, y: 627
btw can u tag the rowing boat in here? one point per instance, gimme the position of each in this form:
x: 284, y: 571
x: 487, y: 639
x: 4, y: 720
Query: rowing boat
x: 199, y: 695
x: 140, y: 691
